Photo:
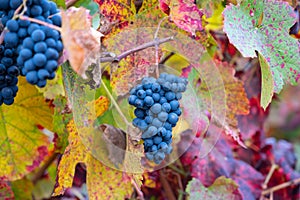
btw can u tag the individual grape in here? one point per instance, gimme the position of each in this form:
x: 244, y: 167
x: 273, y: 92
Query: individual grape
x: 168, y: 135
x: 41, y: 47
x: 178, y: 112
x: 163, y: 116
x: 166, y: 107
x: 43, y: 74
x: 149, y: 155
x: 59, y: 46
x: 170, y: 96
x: 11, y: 39
x: 39, y: 59
x: 139, y: 113
x: 8, y: 53
x: 52, y: 54
x: 141, y: 94
x: 139, y: 103
x: 174, y: 105
x: 159, y: 157
x: 163, y: 146
x: 178, y: 95
x: 22, y: 32
x: 157, y: 123
x: 148, y: 119
x: 163, y: 100
x: 41, y: 83
x: 51, y: 65
x: 38, y: 35
x: 149, y: 92
x: 156, y: 97
x: 151, y: 131
x: 2, y: 69
x: 155, y: 87
x: 12, y: 25
x: 7, y: 61
x: 56, y: 19
x: 25, y: 54
x: 153, y: 148
x: 13, y: 70
x: 4, y: 4
x: 36, y: 10
x: 50, y: 42
x: 148, y: 101
x: 167, y: 126
x: 28, y: 43
x: 131, y: 99
x: 32, y: 77
x: 29, y: 65
x: 7, y: 93
x: 173, y: 118
x: 8, y: 101
x: 148, y: 143
x: 142, y: 125
x: 52, y: 76
x: 156, y: 108
x: 157, y: 140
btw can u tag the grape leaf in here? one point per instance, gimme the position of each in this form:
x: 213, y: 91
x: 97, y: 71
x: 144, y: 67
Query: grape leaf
x: 22, y: 188
x: 222, y: 188
x: 102, y: 182
x: 5, y: 191
x: 220, y: 162
x: 263, y: 26
x: 23, y: 146
x: 81, y: 42
x: 184, y: 13
x: 267, y: 86
x: 214, y: 91
x: 209, y: 7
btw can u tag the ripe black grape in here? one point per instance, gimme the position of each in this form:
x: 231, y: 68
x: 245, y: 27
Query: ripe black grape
x: 157, y: 112
x: 29, y: 49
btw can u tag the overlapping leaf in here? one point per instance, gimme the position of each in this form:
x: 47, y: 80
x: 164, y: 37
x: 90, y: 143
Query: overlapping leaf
x: 217, y: 92
x: 222, y: 188
x: 23, y: 147
x: 263, y: 26
x: 80, y: 41
x: 184, y: 13
x: 102, y: 182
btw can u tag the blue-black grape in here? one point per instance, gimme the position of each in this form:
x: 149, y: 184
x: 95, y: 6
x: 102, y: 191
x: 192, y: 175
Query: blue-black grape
x: 157, y: 112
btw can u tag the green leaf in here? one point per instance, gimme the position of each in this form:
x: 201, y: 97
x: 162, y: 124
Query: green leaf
x: 267, y: 87
x: 90, y: 5
x: 263, y: 26
x: 23, y: 146
x: 222, y: 188
x: 22, y: 188
x: 60, y: 3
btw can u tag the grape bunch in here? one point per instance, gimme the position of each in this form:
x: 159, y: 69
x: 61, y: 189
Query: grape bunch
x: 32, y: 50
x: 157, y: 112
x: 8, y: 75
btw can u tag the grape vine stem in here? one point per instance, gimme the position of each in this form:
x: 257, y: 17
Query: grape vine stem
x: 281, y: 186
x: 115, y: 103
x: 118, y: 58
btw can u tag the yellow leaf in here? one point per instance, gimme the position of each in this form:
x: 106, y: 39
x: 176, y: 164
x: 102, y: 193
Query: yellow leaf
x: 102, y: 182
x: 23, y: 147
